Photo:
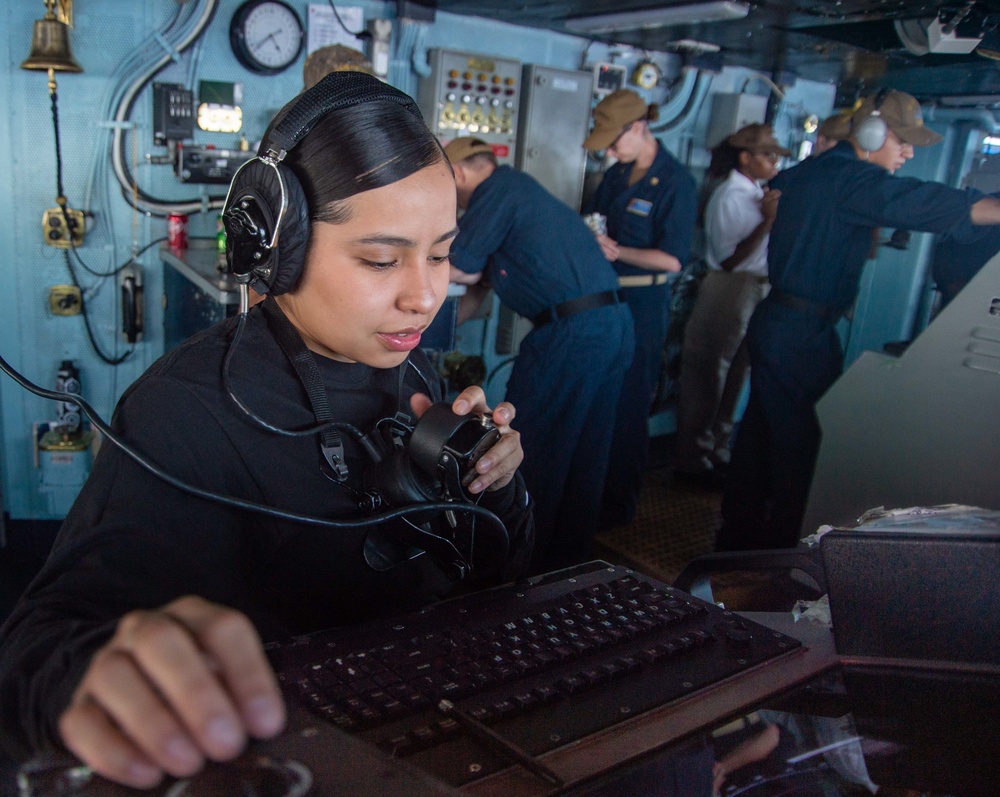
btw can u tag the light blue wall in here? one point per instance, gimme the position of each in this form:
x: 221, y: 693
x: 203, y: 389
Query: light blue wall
x: 33, y: 340
x: 106, y: 31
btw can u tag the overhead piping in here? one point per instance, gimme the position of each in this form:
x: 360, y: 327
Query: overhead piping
x: 987, y: 119
x: 685, y: 104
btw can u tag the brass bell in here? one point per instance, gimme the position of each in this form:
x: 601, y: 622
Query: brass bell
x: 50, y: 46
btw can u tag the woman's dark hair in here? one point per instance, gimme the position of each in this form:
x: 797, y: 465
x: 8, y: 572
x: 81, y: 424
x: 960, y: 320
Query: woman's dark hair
x: 725, y: 158
x: 359, y: 148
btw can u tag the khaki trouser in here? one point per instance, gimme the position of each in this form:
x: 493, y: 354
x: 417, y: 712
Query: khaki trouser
x: 714, y: 367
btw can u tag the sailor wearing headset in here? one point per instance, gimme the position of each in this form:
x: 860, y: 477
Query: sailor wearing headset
x: 819, y: 242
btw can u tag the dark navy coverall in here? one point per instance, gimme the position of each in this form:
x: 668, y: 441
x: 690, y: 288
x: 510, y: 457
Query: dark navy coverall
x: 818, y: 246
x: 538, y: 253
x: 958, y: 258
x: 658, y: 212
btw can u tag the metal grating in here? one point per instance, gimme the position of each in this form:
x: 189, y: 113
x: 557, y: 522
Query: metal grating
x: 673, y: 524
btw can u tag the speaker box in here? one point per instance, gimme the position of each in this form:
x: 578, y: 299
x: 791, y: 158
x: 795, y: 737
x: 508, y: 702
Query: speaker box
x: 923, y: 587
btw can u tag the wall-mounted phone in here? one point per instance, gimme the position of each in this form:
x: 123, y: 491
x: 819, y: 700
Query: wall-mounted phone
x: 132, y: 303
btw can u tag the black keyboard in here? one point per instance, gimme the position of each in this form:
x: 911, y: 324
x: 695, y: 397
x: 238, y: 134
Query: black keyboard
x: 539, y: 663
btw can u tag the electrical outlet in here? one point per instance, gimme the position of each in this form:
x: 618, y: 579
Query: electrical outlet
x: 58, y: 228
x: 65, y: 300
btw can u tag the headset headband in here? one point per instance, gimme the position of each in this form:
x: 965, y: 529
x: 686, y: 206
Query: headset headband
x: 336, y: 91
x: 878, y: 99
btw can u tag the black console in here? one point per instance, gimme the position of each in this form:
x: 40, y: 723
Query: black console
x: 448, y: 696
x: 493, y: 679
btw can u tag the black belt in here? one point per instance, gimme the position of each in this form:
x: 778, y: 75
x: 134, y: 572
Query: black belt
x: 805, y: 305
x: 579, y: 305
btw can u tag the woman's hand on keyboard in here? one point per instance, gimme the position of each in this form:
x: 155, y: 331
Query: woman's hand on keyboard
x: 172, y: 688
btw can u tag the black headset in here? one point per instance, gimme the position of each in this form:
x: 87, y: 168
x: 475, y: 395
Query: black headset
x: 266, y: 214
x: 870, y: 132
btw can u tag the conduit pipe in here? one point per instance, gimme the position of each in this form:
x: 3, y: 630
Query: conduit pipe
x: 145, y: 202
x: 686, y: 103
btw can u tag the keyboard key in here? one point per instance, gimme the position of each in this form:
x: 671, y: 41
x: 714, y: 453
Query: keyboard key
x: 401, y: 745
x: 546, y: 694
x: 503, y: 658
x: 424, y: 736
x: 571, y: 684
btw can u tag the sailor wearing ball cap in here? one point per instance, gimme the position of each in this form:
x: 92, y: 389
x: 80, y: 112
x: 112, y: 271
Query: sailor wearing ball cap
x: 650, y: 202
x: 818, y: 245
x: 542, y: 261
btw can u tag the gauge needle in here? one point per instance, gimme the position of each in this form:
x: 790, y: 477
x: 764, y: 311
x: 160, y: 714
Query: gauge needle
x: 272, y: 36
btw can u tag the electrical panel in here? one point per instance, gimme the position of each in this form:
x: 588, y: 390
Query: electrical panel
x: 65, y: 300
x: 199, y: 164
x: 731, y: 112
x: 608, y: 78
x: 554, y: 120
x: 173, y: 113
x: 467, y: 94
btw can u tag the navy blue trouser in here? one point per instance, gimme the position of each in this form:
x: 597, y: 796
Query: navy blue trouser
x: 650, y: 308
x: 564, y: 388
x: 794, y: 358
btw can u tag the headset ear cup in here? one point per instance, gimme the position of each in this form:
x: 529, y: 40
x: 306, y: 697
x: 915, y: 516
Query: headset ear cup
x: 870, y: 135
x: 274, y: 271
x: 293, y: 237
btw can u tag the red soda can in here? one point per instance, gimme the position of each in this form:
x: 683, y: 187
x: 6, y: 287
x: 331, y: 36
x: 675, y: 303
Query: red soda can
x: 177, y: 231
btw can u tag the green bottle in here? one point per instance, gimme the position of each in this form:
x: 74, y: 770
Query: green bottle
x: 220, y: 245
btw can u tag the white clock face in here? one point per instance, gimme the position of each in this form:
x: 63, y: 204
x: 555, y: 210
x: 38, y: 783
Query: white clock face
x: 273, y: 35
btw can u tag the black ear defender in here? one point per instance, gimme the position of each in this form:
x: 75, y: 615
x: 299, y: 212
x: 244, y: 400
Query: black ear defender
x: 266, y: 214
x: 433, y: 463
x: 870, y: 133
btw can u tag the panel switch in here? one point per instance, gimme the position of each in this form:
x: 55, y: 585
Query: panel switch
x: 65, y: 300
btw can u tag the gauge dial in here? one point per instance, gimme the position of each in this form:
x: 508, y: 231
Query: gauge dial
x: 266, y: 36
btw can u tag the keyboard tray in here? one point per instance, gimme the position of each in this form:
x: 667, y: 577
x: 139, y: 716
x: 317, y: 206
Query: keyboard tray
x: 542, y: 663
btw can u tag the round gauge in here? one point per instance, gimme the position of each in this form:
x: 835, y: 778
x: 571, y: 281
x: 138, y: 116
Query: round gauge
x: 266, y: 36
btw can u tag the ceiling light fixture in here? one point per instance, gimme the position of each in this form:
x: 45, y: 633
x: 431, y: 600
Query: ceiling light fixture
x: 659, y: 17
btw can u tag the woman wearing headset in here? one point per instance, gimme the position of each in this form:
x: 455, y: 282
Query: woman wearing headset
x: 138, y: 648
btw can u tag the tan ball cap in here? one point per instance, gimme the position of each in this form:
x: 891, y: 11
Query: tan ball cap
x: 757, y: 138
x: 612, y: 113
x: 901, y: 113
x: 462, y: 148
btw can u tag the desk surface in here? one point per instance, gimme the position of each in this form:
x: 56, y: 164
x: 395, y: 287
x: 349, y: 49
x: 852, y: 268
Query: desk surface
x: 199, y: 263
